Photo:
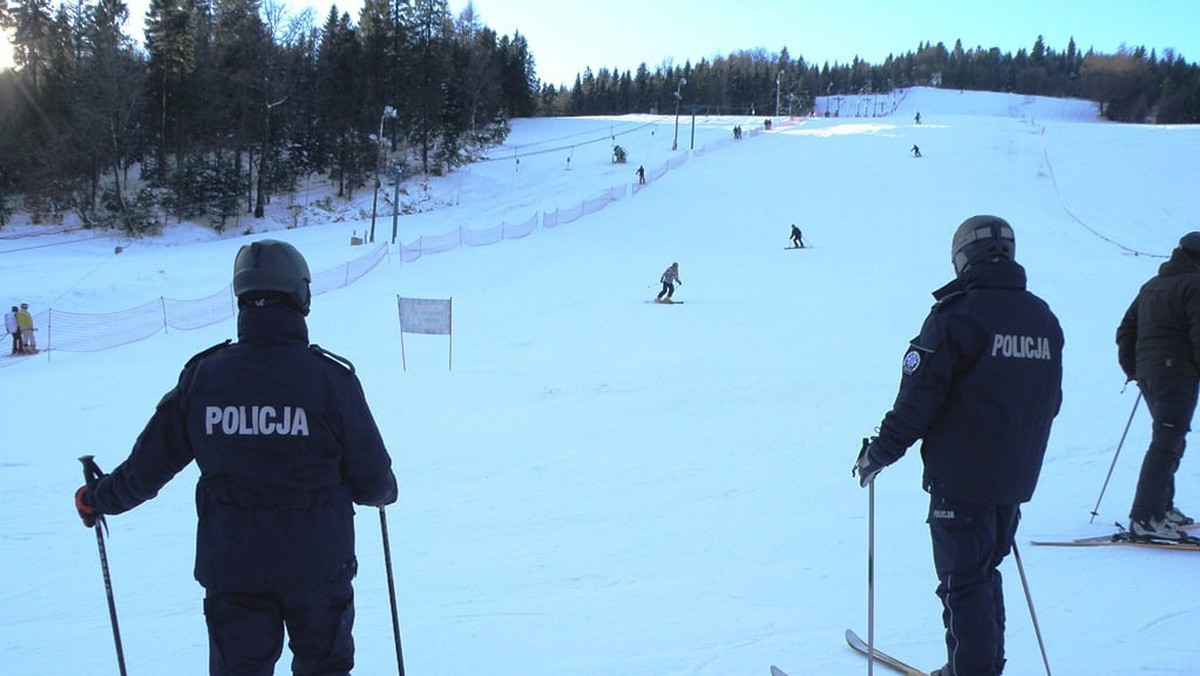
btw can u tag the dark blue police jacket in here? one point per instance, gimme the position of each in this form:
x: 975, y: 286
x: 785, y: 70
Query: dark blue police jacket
x: 981, y: 385
x: 284, y: 442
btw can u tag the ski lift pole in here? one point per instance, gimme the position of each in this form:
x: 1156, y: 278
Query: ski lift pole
x: 92, y: 474
x: 387, y: 562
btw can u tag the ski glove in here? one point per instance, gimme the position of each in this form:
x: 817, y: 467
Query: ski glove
x: 866, y: 467
x: 85, y: 510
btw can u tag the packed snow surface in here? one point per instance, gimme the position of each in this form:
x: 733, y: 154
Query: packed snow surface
x: 593, y: 484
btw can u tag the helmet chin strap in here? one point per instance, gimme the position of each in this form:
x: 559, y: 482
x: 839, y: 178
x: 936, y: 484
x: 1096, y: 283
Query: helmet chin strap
x: 307, y: 304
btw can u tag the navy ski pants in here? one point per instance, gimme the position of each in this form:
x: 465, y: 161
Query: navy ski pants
x: 245, y: 630
x: 1171, y: 401
x: 969, y: 542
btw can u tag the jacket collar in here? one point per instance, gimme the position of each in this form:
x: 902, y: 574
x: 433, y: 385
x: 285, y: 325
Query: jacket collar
x: 271, y: 324
x: 999, y: 274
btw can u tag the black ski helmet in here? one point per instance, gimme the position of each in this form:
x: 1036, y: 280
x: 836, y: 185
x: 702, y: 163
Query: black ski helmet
x: 272, y: 268
x: 982, y: 237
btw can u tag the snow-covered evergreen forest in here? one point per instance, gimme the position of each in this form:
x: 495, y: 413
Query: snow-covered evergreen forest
x: 217, y: 108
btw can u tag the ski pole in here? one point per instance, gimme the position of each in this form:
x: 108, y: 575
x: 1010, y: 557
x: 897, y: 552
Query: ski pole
x: 1096, y: 509
x: 92, y: 474
x: 387, y: 562
x: 870, y: 577
x: 1029, y: 600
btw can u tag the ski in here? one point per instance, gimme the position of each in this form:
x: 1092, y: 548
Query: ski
x: 1123, y: 540
x: 1080, y: 542
x: 886, y: 660
x: 667, y: 302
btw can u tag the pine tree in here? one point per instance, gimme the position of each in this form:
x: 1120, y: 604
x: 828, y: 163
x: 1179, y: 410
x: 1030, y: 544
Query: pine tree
x: 37, y: 38
x: 108, y: 85
x: 339, y: 106
x: 241, y: 47
x: 171, y: 44
x: 431, y: 26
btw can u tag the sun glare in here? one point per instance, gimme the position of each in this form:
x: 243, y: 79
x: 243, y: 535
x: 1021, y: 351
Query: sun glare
x: 6, y: 51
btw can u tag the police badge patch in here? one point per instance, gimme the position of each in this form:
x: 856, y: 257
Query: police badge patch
x: 912, y: 361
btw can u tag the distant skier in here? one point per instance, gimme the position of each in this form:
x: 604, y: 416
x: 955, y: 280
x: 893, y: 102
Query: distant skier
x: 917, y: 117
x: 25, y: 324
x: 641, y: 174
x: 915, y: 150
x: 797, y: 238
x: 670, y: 277
x: 10, y: 325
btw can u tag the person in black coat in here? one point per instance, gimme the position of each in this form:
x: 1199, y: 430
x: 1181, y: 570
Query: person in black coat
x: 981, y: 385
x: 286, y: 445
x: 1158, y: 345
x: 797, y: 238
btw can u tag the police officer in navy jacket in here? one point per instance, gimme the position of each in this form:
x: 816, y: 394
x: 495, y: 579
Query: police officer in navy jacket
x: 285, y: 444
x: 981, y: 385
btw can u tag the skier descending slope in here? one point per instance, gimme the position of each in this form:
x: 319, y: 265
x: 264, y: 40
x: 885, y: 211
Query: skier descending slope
x: 981, y: 385
x: 669, y: 278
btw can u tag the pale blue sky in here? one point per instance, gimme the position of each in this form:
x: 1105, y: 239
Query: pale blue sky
x: 567, y: 36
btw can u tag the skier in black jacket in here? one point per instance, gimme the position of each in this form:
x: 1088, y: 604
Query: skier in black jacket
x: 981, y: 385
x: 1158, y: 345
x: 285, y: 444
x: 797, y: 238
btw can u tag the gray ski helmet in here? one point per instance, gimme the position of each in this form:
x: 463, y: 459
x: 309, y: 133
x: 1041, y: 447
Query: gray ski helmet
x: 981, y: 237
x: 271, y: 267
x: 1190, y: 243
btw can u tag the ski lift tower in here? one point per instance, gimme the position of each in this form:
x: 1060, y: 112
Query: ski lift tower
x: 678, y: 98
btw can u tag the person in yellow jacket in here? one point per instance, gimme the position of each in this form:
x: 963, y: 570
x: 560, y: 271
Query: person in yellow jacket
x: 25, y: 326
